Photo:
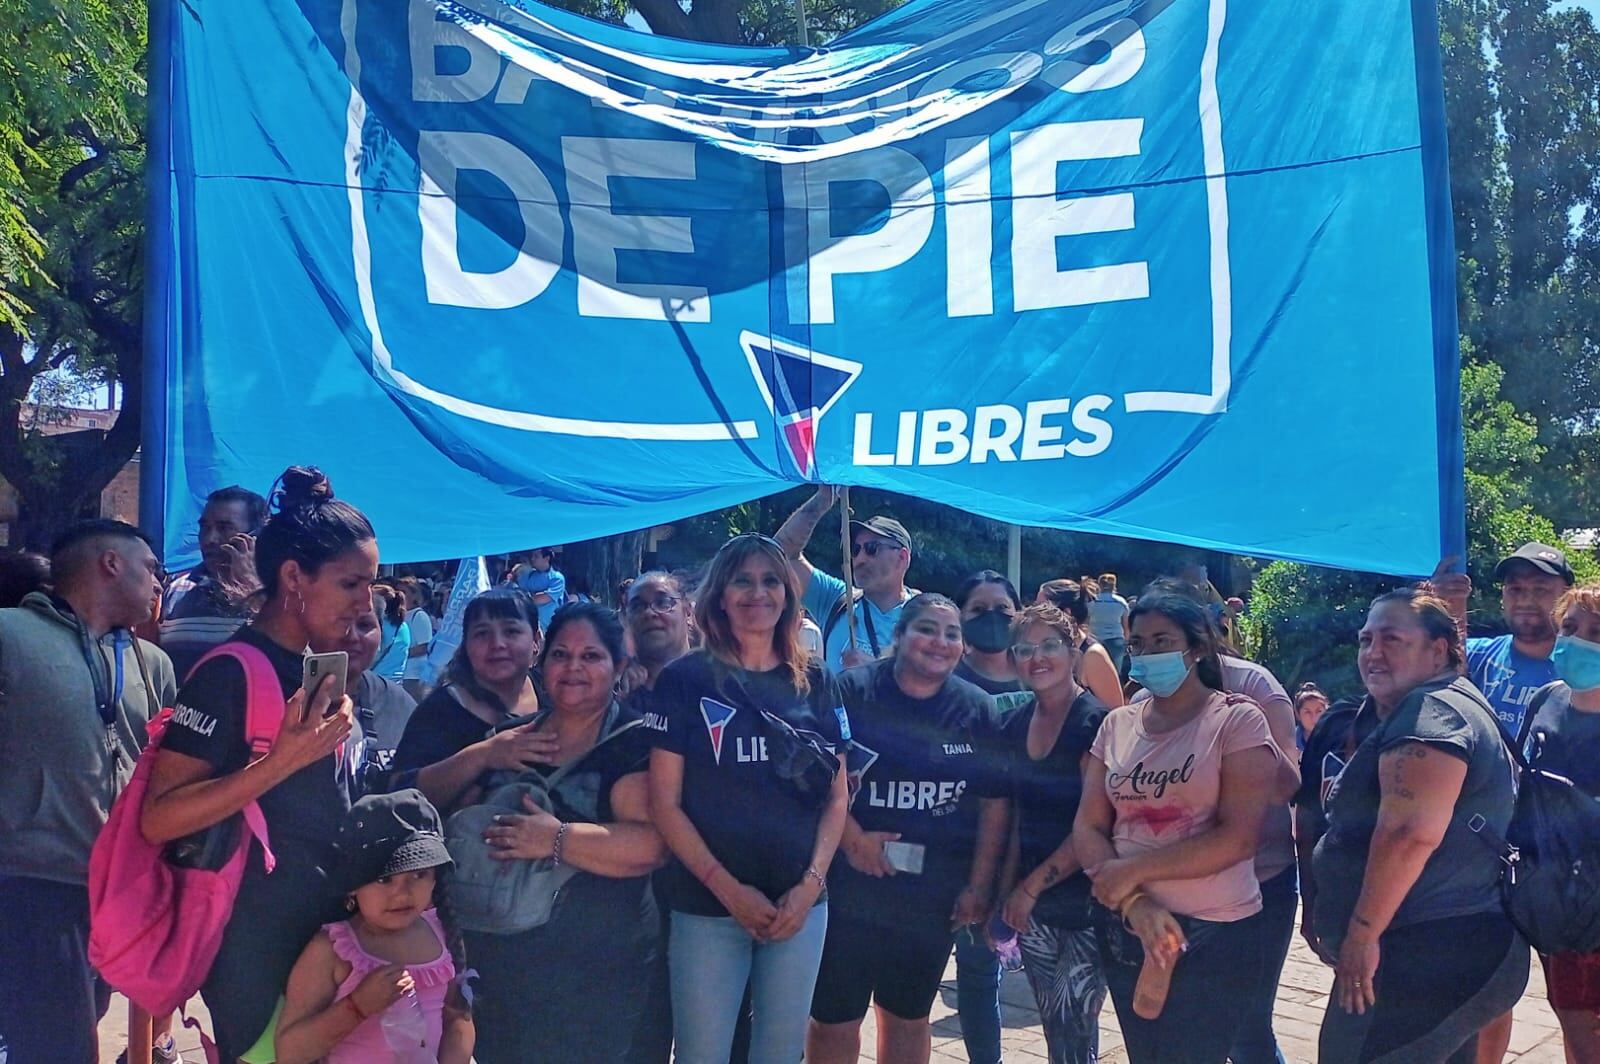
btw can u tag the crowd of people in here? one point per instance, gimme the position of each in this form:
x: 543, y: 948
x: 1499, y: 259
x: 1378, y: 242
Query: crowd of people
x: 729, y: 818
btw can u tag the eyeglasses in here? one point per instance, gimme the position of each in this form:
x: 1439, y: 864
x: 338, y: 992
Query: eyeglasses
x: 658, y: 604
x: 872, y: 547
x: 1050, y: 647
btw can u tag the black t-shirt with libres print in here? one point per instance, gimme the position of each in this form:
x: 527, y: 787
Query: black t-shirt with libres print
x: 303, y: 812
x: 918, y: 767
x: 709, y: 714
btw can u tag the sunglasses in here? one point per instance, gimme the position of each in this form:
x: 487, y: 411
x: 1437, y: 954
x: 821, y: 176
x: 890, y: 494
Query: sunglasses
x: 872, y: 548
x: 658, y: 604
x: 759, y: 538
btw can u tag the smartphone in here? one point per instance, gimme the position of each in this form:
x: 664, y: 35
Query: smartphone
x: 319, y: 666
x: 905, y: 856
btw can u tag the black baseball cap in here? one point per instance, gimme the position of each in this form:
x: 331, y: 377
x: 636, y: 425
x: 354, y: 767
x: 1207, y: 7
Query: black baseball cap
x: 387, y: 834
x: 887, y: 527
x: 1542, y: 557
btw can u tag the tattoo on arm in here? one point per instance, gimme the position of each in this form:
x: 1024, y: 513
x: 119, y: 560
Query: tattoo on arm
x: 1395, y: 776
x: 1051, y: 874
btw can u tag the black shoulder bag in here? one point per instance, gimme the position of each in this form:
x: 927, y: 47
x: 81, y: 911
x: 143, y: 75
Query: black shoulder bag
x: 1550, y: 885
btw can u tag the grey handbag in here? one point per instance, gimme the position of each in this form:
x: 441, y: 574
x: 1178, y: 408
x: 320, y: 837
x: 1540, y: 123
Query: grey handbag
x: 500, y: 897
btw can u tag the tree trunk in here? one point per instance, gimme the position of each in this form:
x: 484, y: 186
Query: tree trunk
x: 604, y: 563
x: 49, y: 501
x: 42, y: 517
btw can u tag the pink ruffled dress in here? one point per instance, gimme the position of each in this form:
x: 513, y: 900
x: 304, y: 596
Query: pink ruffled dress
x: 415, y: 1022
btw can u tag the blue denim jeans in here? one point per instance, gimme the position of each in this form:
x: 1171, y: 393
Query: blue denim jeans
x: 1255, y: 1042
x: 1118, y: 649
x: 712, y: 958
x: 978, y: 996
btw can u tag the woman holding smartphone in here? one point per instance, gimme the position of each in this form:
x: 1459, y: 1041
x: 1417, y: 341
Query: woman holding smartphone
x: 926, y: 832
x: 317, y: 558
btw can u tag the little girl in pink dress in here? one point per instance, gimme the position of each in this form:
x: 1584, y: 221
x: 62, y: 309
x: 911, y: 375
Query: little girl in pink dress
x: 378, y: 988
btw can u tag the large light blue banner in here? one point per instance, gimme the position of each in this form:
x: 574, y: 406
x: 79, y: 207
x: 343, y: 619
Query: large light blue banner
x: 1173, y: 269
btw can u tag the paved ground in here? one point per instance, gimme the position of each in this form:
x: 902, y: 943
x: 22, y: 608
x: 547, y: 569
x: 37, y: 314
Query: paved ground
x: 1302, y: 997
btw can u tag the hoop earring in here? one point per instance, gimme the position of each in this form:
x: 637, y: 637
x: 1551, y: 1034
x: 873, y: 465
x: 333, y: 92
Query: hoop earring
x: 299, y: 602
x: 350, y: 903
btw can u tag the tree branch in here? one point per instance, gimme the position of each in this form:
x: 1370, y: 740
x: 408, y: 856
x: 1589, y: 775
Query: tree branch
x: 79, y: 171
x: 665, y: 17
x: 11, y: 344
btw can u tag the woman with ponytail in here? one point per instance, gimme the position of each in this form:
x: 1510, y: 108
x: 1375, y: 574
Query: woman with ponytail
x: 1407, y: 902
x: 1175, y: 791
x: 1096, y: 669
x: 317, y: 558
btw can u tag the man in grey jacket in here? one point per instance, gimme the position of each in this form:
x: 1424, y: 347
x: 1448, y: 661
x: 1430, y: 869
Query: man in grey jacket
x: 76, y: 691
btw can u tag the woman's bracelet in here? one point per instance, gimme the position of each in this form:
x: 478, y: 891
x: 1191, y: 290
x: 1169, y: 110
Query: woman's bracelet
x: 350, y: 1000
x: 555, y: 848
x: 1023, y: 886
x: 1127, y: 903
x: 812, y: 873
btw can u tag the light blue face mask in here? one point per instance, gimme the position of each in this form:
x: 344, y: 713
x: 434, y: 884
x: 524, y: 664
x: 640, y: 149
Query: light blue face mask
x: 1160, y: 674
x: 1577, y: 662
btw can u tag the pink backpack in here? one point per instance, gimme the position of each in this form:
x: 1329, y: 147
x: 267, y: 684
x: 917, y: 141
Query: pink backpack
x: 155, y: 928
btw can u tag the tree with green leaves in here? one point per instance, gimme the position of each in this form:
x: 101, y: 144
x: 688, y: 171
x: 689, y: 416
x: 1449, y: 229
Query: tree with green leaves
x: 1522, y: 86
x: 1303, y: 619
x: 72, y: 95
x: 754, y: 22
x: 1522, y: 94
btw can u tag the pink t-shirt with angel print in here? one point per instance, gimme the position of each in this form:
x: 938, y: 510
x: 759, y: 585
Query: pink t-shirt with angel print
x: 1165, y: 788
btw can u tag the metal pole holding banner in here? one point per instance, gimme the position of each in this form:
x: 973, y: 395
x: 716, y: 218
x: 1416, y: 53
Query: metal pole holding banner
x: 152, y: 398
x: 1014, y: 554
x: 849, y: 565
x: 800, y: 20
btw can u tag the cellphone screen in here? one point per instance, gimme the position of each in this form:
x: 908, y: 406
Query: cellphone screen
x: 905, y: 856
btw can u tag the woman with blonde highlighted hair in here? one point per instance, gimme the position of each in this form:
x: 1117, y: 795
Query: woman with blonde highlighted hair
x: 746, y: 789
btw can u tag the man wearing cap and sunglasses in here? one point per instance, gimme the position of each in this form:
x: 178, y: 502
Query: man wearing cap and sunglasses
x: 880, y: 555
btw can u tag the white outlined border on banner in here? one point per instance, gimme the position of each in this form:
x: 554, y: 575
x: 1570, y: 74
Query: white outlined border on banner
x: 1212, y: 402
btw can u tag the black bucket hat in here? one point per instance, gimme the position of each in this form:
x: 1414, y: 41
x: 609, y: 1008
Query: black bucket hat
x: 387, y: 834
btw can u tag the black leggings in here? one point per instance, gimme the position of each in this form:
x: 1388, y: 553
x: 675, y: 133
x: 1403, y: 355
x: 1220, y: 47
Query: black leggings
x: 1210, y: 993
x: 1438, y: 982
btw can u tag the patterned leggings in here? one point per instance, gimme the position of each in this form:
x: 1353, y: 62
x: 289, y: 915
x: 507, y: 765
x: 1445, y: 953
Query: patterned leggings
x: 1063, y: 968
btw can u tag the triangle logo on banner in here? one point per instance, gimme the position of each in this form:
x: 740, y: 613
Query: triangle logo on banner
x: 799, y: 385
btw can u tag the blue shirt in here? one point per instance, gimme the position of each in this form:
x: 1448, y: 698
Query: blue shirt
x: 1507, y: 677
x: 824, y: 592
x: 396, y: 644
x: 552, y: 583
